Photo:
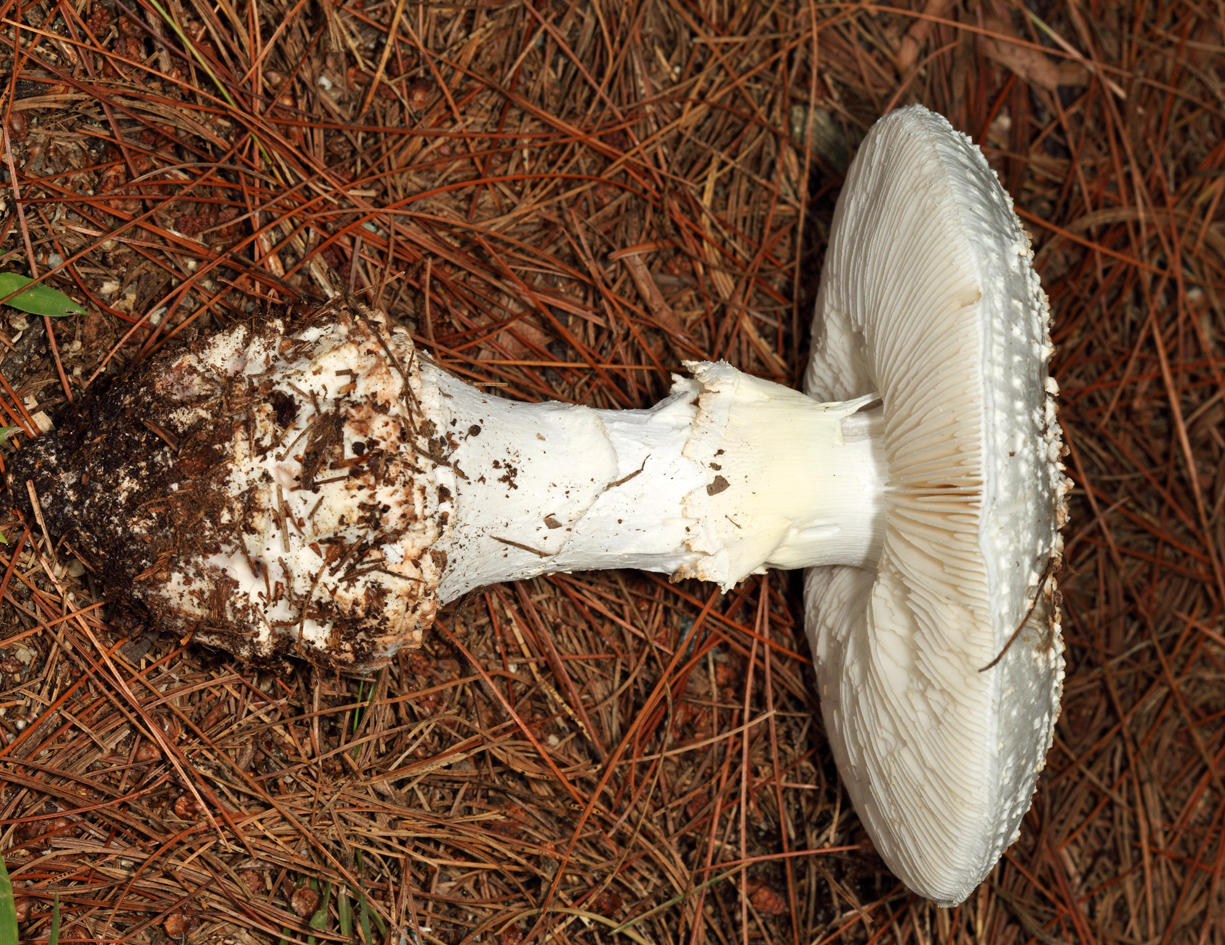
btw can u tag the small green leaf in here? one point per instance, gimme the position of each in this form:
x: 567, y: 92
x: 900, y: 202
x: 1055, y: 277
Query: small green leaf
x: 8, y: 909
x: 37, y: 299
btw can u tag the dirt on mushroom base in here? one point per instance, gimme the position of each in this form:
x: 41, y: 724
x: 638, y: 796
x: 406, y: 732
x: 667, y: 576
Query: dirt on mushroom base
x: 270, y: 489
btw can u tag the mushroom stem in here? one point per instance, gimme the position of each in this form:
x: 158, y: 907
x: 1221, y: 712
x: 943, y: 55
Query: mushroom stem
x: 317, y: 486
x: 725, y: 477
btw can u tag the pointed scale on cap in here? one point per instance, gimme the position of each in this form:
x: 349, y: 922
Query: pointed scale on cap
x: 928, y: 298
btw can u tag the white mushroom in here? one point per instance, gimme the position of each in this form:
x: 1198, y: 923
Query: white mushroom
x: 941, y: 666
x: 313, y: 485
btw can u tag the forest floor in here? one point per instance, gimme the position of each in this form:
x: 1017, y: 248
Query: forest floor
x: 565, y: 200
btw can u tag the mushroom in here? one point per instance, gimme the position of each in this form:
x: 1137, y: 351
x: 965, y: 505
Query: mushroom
x: 940, y: 667
x: 312, y: 484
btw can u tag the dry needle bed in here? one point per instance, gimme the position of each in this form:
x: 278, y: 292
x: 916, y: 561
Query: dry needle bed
x: 565, y: 202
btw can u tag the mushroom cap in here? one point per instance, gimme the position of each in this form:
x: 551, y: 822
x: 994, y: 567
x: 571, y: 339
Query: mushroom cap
x: 929, y: 299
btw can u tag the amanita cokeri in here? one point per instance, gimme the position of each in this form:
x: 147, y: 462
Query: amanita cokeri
x: 311, y: 484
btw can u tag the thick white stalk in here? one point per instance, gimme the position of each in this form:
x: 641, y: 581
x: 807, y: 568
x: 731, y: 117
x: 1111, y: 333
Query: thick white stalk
x: 727, y: 476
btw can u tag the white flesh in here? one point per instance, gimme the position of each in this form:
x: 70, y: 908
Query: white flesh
x: 727, y: 476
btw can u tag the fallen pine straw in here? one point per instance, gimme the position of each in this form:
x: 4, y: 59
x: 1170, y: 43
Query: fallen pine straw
x: 566, y: 200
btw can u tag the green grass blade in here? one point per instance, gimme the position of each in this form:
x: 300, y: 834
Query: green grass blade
x: 344, y: 914
x: 203, y: 64
x: 364, y: 922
